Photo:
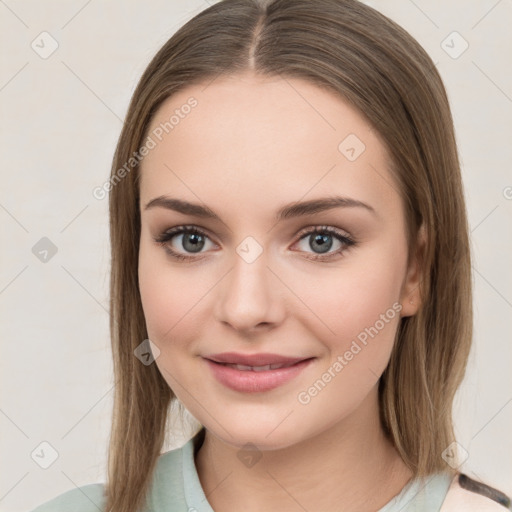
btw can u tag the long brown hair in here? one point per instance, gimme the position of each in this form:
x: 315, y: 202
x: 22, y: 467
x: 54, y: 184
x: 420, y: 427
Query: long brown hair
x: 376, y: 66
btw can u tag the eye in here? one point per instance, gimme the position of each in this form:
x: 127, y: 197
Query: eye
x: 321, y: 240
x: 193, y: 240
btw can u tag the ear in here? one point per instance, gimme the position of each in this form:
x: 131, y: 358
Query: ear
x: 410, y: 294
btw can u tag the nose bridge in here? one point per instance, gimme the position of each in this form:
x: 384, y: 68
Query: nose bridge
x: 248, y: 296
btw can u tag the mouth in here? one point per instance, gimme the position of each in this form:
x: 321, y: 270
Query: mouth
x: 249, y: 378
x: 260, y: 360
x: 265, y: 367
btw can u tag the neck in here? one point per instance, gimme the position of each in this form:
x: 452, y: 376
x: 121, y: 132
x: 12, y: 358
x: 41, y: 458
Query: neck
x: 350, y: 465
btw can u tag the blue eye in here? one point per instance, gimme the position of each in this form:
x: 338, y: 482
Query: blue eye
x: 321, y: 239
x: 194, y: 240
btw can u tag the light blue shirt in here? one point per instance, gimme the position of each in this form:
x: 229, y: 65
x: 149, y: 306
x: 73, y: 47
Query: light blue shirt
x: 176, y: 488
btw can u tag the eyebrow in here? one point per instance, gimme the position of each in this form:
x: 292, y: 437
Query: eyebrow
x: 291, y: 210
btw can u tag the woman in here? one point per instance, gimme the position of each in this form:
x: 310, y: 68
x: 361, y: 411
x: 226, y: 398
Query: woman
x: 290, y: 249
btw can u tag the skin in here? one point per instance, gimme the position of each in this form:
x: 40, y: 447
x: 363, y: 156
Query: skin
x: 250, y: 146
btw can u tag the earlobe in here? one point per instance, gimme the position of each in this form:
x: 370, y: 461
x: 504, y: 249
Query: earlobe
x: 410, y: 296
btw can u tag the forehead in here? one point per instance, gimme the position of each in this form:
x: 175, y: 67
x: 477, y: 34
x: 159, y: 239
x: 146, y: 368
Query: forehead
x: 273, y: 139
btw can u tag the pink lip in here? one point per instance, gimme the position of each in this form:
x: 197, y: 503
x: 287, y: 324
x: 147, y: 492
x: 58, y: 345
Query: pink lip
x: 249, y: 381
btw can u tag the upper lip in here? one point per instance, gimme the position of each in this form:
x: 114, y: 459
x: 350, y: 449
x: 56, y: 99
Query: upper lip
x: 261, y: 359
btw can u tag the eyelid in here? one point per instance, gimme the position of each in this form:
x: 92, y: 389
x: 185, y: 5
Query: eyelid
x: 317, y: 228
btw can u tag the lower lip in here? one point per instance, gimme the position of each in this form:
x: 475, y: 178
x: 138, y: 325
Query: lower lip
x: 249, y: 381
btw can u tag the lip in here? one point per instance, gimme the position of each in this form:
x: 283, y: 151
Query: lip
x: 250, y: 381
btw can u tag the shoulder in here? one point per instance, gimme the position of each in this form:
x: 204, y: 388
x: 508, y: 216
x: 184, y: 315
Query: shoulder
x: 166, y: 487
x: 168, y: 473
x: 89, y: 498
x: 176, y: 466
x: 176, y: 481
x: 467, y: 495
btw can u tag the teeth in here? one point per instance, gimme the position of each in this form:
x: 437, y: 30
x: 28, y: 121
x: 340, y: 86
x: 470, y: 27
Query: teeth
x: 240, y: 366
x: 258, y: 368
x: 261, y: 368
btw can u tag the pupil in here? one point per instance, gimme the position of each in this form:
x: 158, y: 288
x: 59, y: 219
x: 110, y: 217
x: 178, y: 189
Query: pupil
x: 324, y: 245
x: 195, y: 240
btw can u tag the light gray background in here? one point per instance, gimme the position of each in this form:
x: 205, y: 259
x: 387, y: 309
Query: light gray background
x: 61, y: 117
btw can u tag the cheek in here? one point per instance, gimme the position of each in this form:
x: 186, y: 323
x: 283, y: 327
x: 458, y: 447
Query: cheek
x: 170, y: 306
x: 356, y: 314
x: 165, y: 300
x: 173, y: 299
x: 363, y: 320
x: 342, y: 302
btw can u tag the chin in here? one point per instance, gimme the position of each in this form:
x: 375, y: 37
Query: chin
x: 261, y: 439
x: 263, y: 434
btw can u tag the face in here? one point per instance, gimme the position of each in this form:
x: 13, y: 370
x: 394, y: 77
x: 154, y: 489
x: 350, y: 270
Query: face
x: 323, y: 287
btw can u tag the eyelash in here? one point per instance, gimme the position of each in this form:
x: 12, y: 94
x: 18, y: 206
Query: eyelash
x: 167, y: 235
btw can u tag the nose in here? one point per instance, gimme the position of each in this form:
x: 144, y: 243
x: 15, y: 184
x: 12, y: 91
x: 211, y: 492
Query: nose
x: 250, y: 296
